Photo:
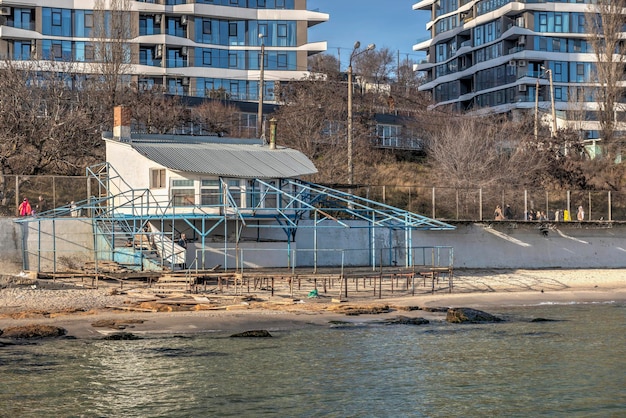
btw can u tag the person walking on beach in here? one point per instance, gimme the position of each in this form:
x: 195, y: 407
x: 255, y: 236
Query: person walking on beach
x: 182, y: 241
x: 508, y: 213
x: 41, y: 204
x: 497, y: 214
x: 25, y: 209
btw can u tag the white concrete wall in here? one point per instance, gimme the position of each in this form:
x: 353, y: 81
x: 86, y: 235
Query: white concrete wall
x: 10, y: 246
x: 520, y: 245
x: 475, y: 245
x: 55, y: 245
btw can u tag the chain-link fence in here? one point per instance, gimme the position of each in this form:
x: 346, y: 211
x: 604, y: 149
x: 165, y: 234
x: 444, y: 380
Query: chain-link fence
x: 479, y: 204
x: 435, y: 202
x: 55, y: 191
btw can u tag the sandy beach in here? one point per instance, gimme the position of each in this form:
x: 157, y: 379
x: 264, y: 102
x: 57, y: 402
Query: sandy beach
x: 77, y: 309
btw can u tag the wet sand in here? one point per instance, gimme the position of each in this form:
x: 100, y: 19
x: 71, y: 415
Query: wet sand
x: 481, y: 289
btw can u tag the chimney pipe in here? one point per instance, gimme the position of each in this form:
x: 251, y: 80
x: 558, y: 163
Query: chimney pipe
x: 273, y: 122
x: 121, y: 123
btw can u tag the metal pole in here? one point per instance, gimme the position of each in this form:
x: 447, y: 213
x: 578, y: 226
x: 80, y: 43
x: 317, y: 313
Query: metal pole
x: 259, y: 121
x: 537, y: 110
x: 552, y: 100
x: 350, y: 164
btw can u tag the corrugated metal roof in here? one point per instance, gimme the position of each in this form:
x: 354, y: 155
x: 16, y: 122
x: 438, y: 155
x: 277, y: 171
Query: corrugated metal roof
x: 228, y: 160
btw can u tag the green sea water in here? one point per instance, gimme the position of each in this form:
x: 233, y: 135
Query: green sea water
x: 572, y: 367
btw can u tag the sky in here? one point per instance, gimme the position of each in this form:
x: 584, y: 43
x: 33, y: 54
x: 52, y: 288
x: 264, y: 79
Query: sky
x: 387, y: 23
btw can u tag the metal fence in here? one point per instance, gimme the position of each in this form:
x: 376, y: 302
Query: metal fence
x: 436, y: 202
x: 446, y: 203
x: 55, y: 191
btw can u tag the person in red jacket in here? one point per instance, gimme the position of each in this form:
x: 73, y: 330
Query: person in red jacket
x: 24, y: 208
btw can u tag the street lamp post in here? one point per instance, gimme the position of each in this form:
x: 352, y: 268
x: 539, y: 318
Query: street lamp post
x: 354, y: 54
x: 553, y: 131
x: 259, y: 121
x: 549, y: 72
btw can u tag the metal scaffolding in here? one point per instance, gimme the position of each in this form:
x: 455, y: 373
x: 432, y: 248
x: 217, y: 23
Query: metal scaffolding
x: 142, y: 229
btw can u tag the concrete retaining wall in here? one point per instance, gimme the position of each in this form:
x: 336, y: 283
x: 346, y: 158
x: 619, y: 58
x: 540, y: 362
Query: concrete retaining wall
x: 476, y: 245
x: 10, y: 246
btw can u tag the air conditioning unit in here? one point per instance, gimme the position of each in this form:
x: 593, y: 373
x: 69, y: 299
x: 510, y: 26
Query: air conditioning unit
x: 185, y: 81
x: 522, y: 40
x: 158, y: 51
x: 521, y: 22
x: 5, y: 11
x: 184, y: 51
x: 157, y: 19
x: 512, y: 63
x: 521, y: 87
x: 183, y: 20
x: 521, y: 63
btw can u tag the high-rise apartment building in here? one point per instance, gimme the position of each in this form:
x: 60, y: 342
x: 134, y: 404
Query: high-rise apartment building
x: 502, y: 55
x: 201, y: 48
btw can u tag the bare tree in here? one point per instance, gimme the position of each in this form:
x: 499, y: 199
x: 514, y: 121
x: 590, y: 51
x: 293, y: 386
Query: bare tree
x: 375, y: 66
x: 605, y: 22
x: 112, y: 31
x: 157, y: 113
x: 325, y: 64
x: 467, y: 152
x: 217, y: 117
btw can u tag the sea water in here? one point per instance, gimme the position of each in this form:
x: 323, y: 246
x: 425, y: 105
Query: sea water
x: 574, y: 366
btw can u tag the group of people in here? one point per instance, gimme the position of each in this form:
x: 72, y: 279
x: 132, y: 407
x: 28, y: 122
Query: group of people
x: 26, y: 209
x: 538, y: 215
x: 500, y: 215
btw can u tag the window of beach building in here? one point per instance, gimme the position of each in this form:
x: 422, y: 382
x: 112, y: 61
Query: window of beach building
x: 157, y: 178
x: 183, y: 192
x: 210, y: 192
x: 235, y: 189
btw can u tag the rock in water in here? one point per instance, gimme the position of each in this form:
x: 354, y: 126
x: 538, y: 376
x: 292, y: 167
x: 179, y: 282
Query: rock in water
x: 121, y: 336
x: 469, y: 315
x: 253, y: 334
x: 33, y: 331
x: 403, y: 320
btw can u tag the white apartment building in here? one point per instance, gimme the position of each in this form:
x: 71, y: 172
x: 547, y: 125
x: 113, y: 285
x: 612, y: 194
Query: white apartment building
x: 500, y: 56
x: 200, y: 48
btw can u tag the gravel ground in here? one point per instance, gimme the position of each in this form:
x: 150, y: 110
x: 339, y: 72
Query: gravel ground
x: 20, y: 299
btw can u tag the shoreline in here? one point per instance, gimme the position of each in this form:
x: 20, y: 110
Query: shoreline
x: 487, y: 290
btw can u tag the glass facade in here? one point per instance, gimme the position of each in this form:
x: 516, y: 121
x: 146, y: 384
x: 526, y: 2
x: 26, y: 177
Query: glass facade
x: 195, y: 49
x: 488, y: 54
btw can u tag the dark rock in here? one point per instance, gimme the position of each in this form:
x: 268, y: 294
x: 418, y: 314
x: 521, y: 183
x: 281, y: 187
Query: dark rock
x: 435, y: 309
x: 122, y: 336
x: 404, y: 320
x: 253, y: 334
x: 33, y: 331
x: 407, y: 308
x: 543, y: 320
x: 469, y: 315
x: 116, y: 324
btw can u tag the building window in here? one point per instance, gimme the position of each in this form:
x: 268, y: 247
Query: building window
x: 207, y: 58
x: 232, y: 60
x: 210, y: 192
x: 183, y: 193
x: 207, y: 28
x: 89, y: 53
x: 232, y: 29
x: 281, y: 60
x: 234, y: 190
x: 56, y: 18
x: 157, y: 178
x: 282, y: 30
x: 57, y: 51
